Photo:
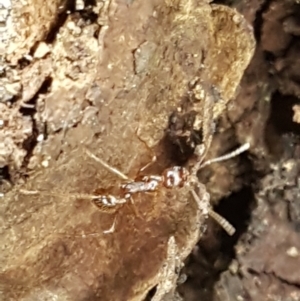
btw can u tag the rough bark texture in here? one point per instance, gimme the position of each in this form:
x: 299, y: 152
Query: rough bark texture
x: 261, y: 262
x: 106, y: 78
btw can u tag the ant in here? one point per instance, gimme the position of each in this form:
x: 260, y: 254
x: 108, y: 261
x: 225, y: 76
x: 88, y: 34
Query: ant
x: 171, y: 178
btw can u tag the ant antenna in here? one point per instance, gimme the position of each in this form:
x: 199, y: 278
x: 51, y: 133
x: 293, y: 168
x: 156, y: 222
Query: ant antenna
x: 228, y: 156
x: 222, y: 222
x: 208, y: 126
x: 108, y: 167
x: 150, y: 150
x: 217, y: 217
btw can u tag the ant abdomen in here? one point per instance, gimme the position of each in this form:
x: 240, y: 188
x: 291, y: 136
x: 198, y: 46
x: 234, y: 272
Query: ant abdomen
x: 108, y: 202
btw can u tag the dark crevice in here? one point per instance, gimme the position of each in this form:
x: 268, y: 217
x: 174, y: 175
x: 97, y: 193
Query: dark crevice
x: 259, y: 20
x: 280, y: 125
x: 23, y: 63
x: 237, y: 210
x: 4, y: 174
x: 67, y: 7
x: 150, y: 294
x: 30, y: 143
x: 269, y: 57
x: 29, y: 108
x: 281, y: 115
x: 88, y: 15
x: 90, y: 2
x: 177, y: 150
x: 180, y: 137
x: 215, y: 250
x: 224, y: 2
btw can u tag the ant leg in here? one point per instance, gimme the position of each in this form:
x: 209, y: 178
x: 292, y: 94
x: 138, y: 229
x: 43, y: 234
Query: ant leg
x: 112, y: 228
x: 133, y: 207
x: 154, y: 158
x: 218, y: 218
x: 29, y: 192
x: 108, y: 167
x: 208, y: 125
x: 73, y: 195
x: 228, y: 156
x: 208, y: 129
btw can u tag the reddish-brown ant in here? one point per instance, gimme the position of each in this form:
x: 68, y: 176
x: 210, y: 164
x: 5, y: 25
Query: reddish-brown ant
x: 173, y: 177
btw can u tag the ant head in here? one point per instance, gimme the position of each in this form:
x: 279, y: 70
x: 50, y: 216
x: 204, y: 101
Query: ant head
x: 175, y: 176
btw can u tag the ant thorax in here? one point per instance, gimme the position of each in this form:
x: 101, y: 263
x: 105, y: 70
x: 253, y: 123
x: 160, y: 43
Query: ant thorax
x: 147, y: 183
x: 176, y: 176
